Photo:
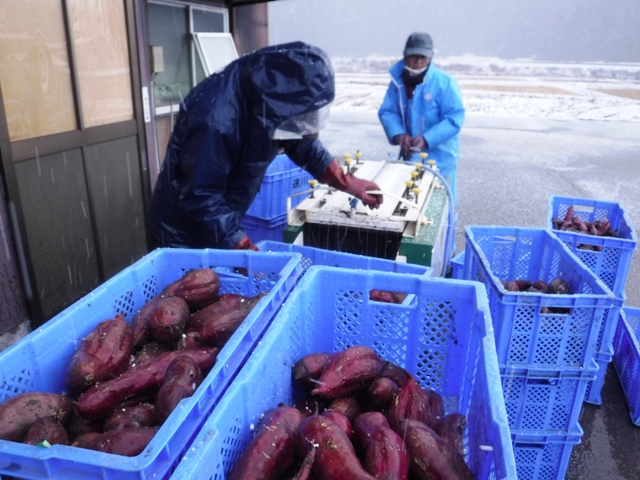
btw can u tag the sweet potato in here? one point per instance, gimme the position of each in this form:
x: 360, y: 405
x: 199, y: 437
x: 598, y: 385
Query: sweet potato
x: 225, y: 303
x: 128, y: 442
x: 411, y: 402
x: 218, y: 329
x: 385, y: 455
x: 451, y: 430
x: 558, y: 286
x: 168, y: 319
x: 435, y: 404
x: 396, y: 373
x: 311, y: 405
x: 429, y: 456
x: 149, y: 351
x: 272, y: 450
x: 347, y: 371
x: 341, y: 420
x: 335, y: 456
x: 140, y: 322
x: 102, y: 355
x: 82, y: 440
x: 348, y: 406
x: 49, y: 429
x: 79, y: 426
x: 304, y: 472
x: 99, y: 400
x: 182, y: 378
x: 381, y: 393
x: 386, y: 296
x: 540, y: 285
x: 517, y: 285
x: 308, y: 369
x: 19, y: 413
x: 170, y: 290
x: 136, y: 416
x: 364, y: 425
x: 199, y: 288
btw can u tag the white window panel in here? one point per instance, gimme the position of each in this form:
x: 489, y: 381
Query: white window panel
x: 216, y: 50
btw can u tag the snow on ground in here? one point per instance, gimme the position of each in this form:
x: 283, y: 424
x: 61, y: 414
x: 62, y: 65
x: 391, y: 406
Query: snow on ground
x: 523, y: 88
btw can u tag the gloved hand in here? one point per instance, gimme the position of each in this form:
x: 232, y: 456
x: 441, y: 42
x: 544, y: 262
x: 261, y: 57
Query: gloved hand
x: 335, y: 177
x: 245, y: 244
x: 420, y: 143
x: 404, y: 141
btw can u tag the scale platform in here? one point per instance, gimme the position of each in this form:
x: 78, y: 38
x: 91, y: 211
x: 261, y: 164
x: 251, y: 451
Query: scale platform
x: 410, y: 225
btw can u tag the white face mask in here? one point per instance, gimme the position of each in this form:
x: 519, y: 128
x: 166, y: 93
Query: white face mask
x: 414, y: 72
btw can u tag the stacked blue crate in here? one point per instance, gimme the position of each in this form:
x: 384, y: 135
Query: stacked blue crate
x: 608, y: 257
x: 626, y: 358
x: 266, y: 218
x: 545, y: 343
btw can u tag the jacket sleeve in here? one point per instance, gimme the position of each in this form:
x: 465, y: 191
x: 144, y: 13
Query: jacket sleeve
x: 206, y: 162
x: 310, y: 155
x: 452, y: 113
x: 390, y: 113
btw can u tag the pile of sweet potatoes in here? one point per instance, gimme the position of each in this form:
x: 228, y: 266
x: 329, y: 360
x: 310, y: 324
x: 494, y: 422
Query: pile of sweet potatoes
x: 359, y: 417
x: 573, y: 223
x: 124, y: 380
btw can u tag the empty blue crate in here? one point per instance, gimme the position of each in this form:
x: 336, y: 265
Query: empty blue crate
x: 457, y: 267
x: 534, y: 329
x: 611, y: 258
x: 258, y: 229
x: 545, y: 402
x: 626, y: 358
x: 283, y: 178
x: 442, y: 334
x: 37, y: 362
x: 328, y: 258
x: 544, y: 457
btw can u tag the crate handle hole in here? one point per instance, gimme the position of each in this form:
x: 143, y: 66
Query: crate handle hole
x: 555, y: 311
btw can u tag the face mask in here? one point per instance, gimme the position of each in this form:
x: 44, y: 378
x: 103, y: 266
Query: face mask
x: 414, y: 72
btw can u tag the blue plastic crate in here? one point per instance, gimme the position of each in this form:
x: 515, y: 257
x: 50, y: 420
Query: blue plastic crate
x: 37, y: 362
x: 611, y: 265
x: 283, y: 178
x: 457, y: 266
x: 525, y: 334
x: 545, y: 401
x: 544, y: 457
x: 258, y: 229
x: 328, y: 258
x: 594, y: 390
x: 442, y: 334
x: 626, y: 358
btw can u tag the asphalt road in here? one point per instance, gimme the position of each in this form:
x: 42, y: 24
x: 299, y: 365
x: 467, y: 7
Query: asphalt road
x: 509, y: 168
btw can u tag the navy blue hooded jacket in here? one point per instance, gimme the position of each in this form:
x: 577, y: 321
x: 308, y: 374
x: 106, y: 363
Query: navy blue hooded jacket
x: 222, y: 143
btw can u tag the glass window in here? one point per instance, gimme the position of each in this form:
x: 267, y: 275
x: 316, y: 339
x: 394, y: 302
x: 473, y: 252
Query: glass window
x: 99, y: 32
x: 208, y: 21
x: 34, y: 69
x: 216, y: 50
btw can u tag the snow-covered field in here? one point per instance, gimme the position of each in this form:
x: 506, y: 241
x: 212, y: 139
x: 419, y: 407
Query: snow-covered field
x: 493, y: 86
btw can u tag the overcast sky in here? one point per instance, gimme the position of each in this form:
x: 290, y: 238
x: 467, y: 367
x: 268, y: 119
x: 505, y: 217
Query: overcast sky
x: 551, y: 30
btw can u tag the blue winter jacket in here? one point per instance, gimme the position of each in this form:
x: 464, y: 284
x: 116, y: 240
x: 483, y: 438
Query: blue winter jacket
x: 221, y: 144
x: 437, y: 114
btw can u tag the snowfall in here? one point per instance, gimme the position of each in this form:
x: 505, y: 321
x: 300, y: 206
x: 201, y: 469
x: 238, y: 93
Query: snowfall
x: 493, y: 86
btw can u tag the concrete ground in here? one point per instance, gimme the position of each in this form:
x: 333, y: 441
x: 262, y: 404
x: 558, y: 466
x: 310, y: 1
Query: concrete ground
x: 509, y: 167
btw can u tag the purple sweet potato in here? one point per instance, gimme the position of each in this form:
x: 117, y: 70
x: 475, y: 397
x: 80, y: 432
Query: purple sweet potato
x: 311, y: 405
x: 148, y: 352
x: 128, y: 442
x: 100, y: 400
x: 189, y: 341
x: 385, y: 455
x: 218, y: 329
x: 304, y: 472
x: 335, y: 456
x: 411, y: 402
x: 136, y: 416
x: 341, y: 420
x: 140, y: 322
x: 308, y: 369
x: 435, y: 404
x: 168, y: 319
x: 364, y: 425
x: 102, y: 355
x: 199, y: 288
x: 348, y: 406
x: 451, y: 429
x: 49, y: 429
x: 79, y: 426
x: 182, y: 378
x: 386, y: 296
x: 272, y: 450
x: 381, y: 393
x: 82, y: 440
x: 429, y: 456
x: 398, y: 374
x: 225, y: 303
x: 19, y: 413
x: 347, y: 371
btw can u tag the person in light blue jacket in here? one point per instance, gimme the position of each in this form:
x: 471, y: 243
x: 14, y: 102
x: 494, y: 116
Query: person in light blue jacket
x: 422, y: 110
